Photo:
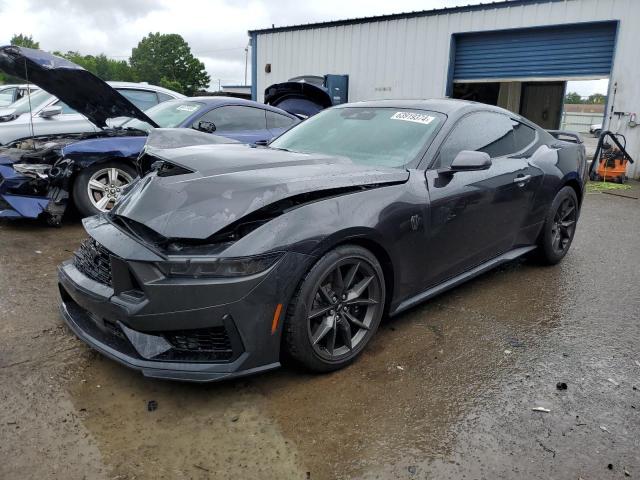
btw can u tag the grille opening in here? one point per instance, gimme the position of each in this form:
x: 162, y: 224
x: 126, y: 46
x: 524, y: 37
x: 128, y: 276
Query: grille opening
x: 212, y: 341
x: 93, y: 260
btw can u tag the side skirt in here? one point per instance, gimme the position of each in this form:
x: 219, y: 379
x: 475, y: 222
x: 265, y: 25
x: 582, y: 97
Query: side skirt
x: 463, y: 277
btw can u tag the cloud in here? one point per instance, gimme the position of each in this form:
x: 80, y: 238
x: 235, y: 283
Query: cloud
x: 216, y: 30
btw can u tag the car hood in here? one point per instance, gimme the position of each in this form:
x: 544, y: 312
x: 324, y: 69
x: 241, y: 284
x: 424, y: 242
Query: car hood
x: 228, y: 182
x: 75, y: 86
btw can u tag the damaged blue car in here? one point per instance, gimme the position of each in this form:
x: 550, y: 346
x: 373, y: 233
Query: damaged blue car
x: 40, y: 176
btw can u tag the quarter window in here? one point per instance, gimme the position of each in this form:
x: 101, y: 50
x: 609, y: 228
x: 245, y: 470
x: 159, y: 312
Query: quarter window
x: 234, y: 118
x: 276, y: 120
x: 489, y: 132
x: 143, y: 99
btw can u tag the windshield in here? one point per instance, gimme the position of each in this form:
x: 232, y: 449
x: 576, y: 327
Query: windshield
x: 390, y: 137
x: 169, y: 114
x: 37, y: 98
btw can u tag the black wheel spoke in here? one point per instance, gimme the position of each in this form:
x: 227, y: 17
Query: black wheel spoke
x: 338, y: 281
x: 358, y: 288
x: 319, y: 311
x: 568, y: 211
x: 351, y: 275
x: 331, y: 339
x: 345, y: 330
x: 325, y: 294
x: 361, y: 301
x: 325, y: 326
x: 355, y: 321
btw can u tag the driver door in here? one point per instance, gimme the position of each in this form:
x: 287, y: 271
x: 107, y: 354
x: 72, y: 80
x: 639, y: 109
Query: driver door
x: 476, y: 215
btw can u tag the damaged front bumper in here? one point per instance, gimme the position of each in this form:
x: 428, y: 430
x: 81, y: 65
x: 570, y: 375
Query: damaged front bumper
x: 16, y: 203
x: 188, y: 329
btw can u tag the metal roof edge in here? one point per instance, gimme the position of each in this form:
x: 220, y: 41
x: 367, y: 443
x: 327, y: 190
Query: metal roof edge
x: 398, y: 16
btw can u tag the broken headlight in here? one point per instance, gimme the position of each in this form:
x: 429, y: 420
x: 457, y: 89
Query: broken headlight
x: 220, y: 267
x: 36, y: 170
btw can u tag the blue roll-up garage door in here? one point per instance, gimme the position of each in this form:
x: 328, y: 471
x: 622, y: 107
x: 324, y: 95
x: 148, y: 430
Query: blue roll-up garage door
x: 579, y: 50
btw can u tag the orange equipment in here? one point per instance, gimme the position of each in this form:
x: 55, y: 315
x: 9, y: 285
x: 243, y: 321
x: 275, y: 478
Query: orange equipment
x: 610, y: 161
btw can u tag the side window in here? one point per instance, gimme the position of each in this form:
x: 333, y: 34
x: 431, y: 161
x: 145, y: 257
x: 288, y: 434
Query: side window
x: 66, y: 109
x: 6, y: 96
x: 487, y: 132
x: 275, y: 120
x: 163, y: 97
x: 235, y: 118
x: 523, y: 135
x: 142, y: 99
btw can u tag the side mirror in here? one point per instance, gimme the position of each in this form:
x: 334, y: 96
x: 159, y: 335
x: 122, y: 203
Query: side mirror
x: 468, y: 160
x: 51, y: 111
x: 207, y: 127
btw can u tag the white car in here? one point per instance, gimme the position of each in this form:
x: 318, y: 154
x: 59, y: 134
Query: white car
x: 51, y: 116
x: 596, y: 129
x: 11, y: 93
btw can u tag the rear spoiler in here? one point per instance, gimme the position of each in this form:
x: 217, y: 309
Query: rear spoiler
x: 565, y: 136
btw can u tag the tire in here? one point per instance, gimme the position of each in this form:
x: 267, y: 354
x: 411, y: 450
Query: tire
x: 119, y: 172
x: 559, y: 227
x: 323, y: 314
x: 596, y: 133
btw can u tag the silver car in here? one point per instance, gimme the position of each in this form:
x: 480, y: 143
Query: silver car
x: 12, y: 93
x: 51, y: 116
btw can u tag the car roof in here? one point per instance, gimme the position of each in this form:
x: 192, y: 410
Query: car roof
x: 447, y: 106
x: 19, y: 85
x: 145, y: 86
x: 222, y: 100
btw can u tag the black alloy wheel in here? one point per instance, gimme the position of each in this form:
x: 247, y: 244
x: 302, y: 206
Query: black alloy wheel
x: 337, y: 309
x: 559, y: 227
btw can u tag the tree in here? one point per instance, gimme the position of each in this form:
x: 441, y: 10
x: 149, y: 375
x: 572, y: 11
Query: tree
x: 18, y: 40
x: 167, y: 59
x: 572, y: 97
x: 597, y: 98
x: 21, y: 40
x: 101, y: 66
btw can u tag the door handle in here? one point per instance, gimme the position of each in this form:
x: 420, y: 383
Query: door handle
x: 522, y: 180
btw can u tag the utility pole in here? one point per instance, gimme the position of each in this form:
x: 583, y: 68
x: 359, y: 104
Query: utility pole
x: 246, y: 63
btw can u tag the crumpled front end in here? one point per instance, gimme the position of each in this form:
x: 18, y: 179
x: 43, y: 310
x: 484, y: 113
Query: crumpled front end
x: 117, y: 297
x: 33, y: 184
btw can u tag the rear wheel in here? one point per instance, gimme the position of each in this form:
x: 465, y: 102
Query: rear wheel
x: 98, y: 187
x: 559, y: 227
x: 336, y: 310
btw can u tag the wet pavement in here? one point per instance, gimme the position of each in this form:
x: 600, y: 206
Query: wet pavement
x: 446, y: 390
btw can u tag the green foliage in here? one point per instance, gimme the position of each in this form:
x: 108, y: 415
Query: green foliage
x: 159, y: 59
x: 167, y: 59
x: 597, y: 98
x: 573, y: 97
x: 21, y: 40
x: 102, y: 66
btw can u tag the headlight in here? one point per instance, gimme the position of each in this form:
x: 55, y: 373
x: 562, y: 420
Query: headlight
x: 220, y: 267
x: 38, y: 170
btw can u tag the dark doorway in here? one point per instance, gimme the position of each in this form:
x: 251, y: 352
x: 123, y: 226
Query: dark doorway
x: 477, y: 92
x: 541, y: 102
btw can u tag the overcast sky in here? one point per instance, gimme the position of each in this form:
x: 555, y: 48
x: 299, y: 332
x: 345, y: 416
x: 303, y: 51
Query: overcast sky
x: 215, y: 29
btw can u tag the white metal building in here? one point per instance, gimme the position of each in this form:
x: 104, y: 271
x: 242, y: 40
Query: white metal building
x: 519, y: 53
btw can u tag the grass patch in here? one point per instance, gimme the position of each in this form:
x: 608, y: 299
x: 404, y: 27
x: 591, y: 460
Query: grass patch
x: 605, y: 186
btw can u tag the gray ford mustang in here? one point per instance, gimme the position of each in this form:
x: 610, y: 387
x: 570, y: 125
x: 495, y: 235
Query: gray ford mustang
x: 224, y: 258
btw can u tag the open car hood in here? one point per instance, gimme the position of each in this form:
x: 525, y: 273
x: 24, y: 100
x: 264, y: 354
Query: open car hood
x: 299, y: 98
x: 75, y: 86
x: 217, y: 185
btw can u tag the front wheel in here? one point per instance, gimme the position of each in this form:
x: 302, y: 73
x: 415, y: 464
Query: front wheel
x: 336, y: 310
x: 98, y: 187
x: 559, y: 227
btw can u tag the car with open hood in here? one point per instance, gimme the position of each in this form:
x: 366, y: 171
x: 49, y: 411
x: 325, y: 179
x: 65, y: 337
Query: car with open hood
x: 223, y: 259
x: 40, y: 174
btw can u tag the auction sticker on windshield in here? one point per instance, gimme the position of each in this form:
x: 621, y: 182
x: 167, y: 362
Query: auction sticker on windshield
x: 187, y: 108
x: 413, y: 117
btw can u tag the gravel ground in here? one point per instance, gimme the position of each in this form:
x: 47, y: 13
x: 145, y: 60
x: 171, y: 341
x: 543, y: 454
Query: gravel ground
x: 446, y: 390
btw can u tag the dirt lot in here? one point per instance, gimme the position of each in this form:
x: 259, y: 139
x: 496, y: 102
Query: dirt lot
x: 445, y: 391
